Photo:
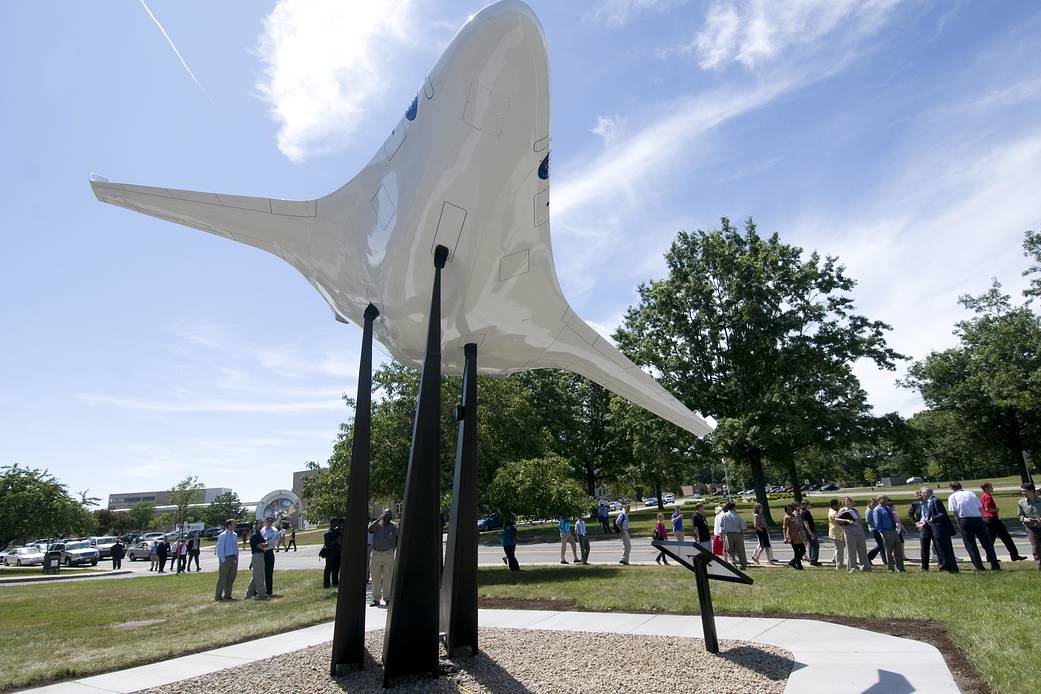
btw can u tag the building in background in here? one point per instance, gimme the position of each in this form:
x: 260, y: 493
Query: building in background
x: 122, y: 502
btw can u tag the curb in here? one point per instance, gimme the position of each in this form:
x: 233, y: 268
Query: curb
x: 60, y: 577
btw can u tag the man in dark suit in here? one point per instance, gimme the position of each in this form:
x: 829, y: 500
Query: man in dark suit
x: 934, y: 513
x: 162, y: 549
x: 331, y: 542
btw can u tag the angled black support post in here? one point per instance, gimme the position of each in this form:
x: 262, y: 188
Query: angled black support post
x: 410, y: 640
x: 707, y: 567
x: 349, y: 628
x: 459, y: 582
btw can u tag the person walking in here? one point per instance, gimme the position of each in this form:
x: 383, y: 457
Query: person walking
x: 292, y: 539
x: 853, y: 529
x: 194, y: 549
x: 677, y: 524
x: 794, y: 534
x: 153, y: 556
x: 995, y: 527
x: 384, y: 533
x: 258, y: 547
x: 700, y: 526
x: 762, y: 534
x: 332, y: 541
x: 968, y: 511
x: 717, y: 532
x: 564, y: 526
x: 118, y: 552
x: 508, y: 537
x: 583, y: 538
x: 1030, y: 516
x: 926, y: 540
x: 227, y: 560
x: 182, y: 555
x: 270, y: 533
x: 733, y: 527
x: 813, y: 544
x: 934, y: 513
x: 869, y: 517
x: 837, y: 536
x: 162, y: 549
x: 621, y: 522
x: 603, y: 515
x: 282, y: 541
x: 660, y: 533
x: 886, y: 526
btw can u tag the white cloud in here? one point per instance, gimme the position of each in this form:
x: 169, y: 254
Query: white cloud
x: 620, y: 12
x: 607, y: 127
x: 756, y: 32
x: 326, y: 62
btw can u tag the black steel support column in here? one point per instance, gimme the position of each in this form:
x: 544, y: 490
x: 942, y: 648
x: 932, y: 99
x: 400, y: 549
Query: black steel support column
x: 349, y: 630
x: 708, y: 617
x: 410, y: 640
x: 459, y: 582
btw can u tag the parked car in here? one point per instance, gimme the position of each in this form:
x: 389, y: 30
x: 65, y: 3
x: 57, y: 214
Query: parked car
x: 140, y: 551
x: 830, y: 487
x: 78, y: 552
x: 915, y: 480
x: 650, y: 501
x: 23, y: 556
x: 150, y: 536
x: 614, y: 506
x: 669, y: 498
x: 211, y: 532
x: 103, y: 545
x: 489, y: 522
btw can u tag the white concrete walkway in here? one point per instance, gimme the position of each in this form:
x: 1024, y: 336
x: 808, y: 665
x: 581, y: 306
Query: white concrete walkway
x: 828, y: 657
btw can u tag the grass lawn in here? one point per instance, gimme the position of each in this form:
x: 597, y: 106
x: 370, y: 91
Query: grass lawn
x: 38, y: 570
x: 991, y: 617
x: 67, y: 629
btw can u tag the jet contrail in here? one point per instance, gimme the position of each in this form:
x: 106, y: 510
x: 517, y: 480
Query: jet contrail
x: 176, y: 52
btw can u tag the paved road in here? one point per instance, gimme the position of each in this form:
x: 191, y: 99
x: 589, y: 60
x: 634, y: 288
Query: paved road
x: 603, y: 550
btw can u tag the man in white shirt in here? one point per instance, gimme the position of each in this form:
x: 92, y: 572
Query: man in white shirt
x: 966, y: 507
x: 227, y: 560
x: 622, y: 521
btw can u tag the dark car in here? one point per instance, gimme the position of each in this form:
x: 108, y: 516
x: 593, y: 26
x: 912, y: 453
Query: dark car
x: 489, y: 522
x: 830, y: 487
x: 211, y: 532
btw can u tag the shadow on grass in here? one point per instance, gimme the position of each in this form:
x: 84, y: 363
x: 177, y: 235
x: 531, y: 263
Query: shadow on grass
x: 502, y: 577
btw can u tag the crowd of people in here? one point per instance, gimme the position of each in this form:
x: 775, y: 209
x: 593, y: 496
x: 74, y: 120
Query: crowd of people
x: 164, y: 555
x: 975, y: 518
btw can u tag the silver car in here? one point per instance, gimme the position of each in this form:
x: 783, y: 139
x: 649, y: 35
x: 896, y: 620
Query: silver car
x: 23, y: 556
x: 79, y: 552
x: 140, y: 551
x: 103, y: 545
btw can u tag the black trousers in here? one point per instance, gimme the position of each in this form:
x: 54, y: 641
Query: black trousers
x: 604, y: 525
x: 117, y: 563
x: 162, y: 563
x: 583, y: 545
x: 292, y: 543
x: 511, y: 556
x: 800, y: 552
x: 998, y: 531
x: 973, y: 529
x: 193, y: 555
x: 269, y: 569
x: 880, y: 547
x: 331, y: 575
x: 944, y: 551
x: 928, y: 541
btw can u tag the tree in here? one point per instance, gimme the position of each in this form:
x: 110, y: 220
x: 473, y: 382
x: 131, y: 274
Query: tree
x: 658, y: 450
x: 992, y: 378
x: 163, y: 521
x: 111, y: 522
x: 738, y: 321
x: 183, y: 494
x: 140, y: 515
x: 33, y: 503
x: 537, y: 488
x: 224, y: 506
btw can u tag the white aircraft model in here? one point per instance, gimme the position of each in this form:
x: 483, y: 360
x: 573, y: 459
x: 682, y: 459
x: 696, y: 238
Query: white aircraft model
x: 467, y: 167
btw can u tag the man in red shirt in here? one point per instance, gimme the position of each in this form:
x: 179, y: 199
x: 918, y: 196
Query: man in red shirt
x: 993, y: 522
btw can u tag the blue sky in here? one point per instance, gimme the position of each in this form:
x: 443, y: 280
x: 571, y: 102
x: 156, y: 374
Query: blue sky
x: 902, y: 136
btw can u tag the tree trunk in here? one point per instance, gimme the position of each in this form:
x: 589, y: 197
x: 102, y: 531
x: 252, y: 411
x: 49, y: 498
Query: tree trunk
x: 657, y: 491
x: 590, y: 481
x: 793, y: 475
x: 755, y: 462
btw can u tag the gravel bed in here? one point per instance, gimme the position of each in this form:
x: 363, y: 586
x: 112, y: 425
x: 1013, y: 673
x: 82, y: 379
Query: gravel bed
x: 526, y: 660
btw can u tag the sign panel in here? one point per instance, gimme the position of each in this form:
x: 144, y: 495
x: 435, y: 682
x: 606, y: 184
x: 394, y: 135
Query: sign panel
x: 686, y: 553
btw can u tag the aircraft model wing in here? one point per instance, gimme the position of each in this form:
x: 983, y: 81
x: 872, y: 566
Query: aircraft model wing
x: 275, y: 226
x: 580, y: 349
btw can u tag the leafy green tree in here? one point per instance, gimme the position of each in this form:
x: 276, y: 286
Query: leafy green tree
x: 162, y: 521
x: 224, y: 506
x: 140, y: 515
x: 115, y: 522
x: 33, y: 503
x: 537, y: 488
x: 992, y: 378
x: 737, y: 322
x: 183, y: 494
x: 870, y: 476
x: 659, y: 451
